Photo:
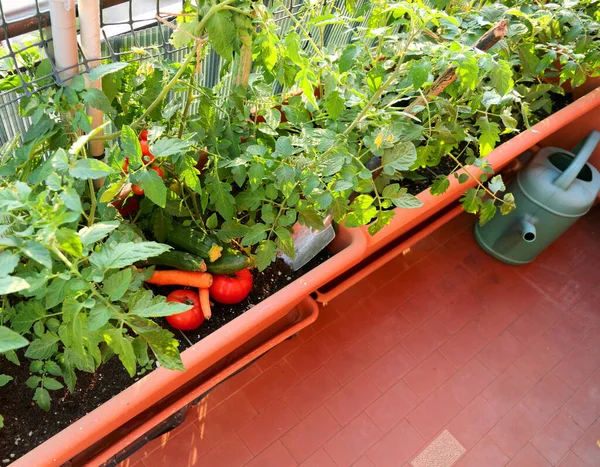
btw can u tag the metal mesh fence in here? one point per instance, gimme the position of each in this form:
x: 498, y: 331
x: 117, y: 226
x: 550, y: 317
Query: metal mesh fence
x: 127, y: 28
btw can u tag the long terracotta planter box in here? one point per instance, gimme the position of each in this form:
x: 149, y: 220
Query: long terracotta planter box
x: 348, y: 246
x: 570, y: 119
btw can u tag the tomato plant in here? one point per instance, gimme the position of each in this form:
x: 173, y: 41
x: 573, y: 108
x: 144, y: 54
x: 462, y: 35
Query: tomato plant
x: 230, y: 289
x: 190, y: 319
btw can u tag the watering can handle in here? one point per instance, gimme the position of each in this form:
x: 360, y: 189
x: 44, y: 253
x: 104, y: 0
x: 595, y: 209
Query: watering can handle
x: 583, y: 152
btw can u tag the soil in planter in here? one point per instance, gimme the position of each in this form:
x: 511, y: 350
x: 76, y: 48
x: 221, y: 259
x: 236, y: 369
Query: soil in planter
x: 27, y: 426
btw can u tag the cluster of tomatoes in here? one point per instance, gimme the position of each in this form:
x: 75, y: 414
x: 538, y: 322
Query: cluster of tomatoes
x: 128, y: 205
x: 226, y: 289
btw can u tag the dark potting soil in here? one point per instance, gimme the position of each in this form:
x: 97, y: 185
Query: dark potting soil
x: 27, y: 426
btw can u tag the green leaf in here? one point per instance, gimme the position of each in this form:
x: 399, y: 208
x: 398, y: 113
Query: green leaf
x: 471, y: 201
x: 488, y: 211
x: 51, y: 383
x: 106, y: 69
x: 212, y: 222
x: 335, y: 104
x: 37, y: 252
x: 341, y: 185
x: 220, y: 196
x: 98, y: 231
x: 489, y: 135
x: 115, y: 256
x: 285, y: 242
x: 501, y: 77
x: 310, y: 218
x: 130, y: 145
x: 166, y: 147
x: 10, y: 340
x: 117, y: 284
x: 8, y: 263
x: 383, y: 219
x: 111, y: 192
x: 160, y: 309
x: 5, y: 379
x: 71, y: 199
x: 255, y: 175
x: 97, y: 99
x: 401, y: 157
x: 402, y: 199
x: 90, y: 169
x: 56, y: 292
x: 508, y: 204
x: 468, y: 71
x: 33, y: 381
x: 36, y: 366
x: 127, y: 356
x: 462, y: 178
x: 265, y: 254
x: 418, y: 74
x: 496, y: 184
x: 154, y: 188
x: 221, y: 33
x: 164, y: 346
x: 273, y: 118
x: 52, y: 368
x: 348, y: 57
x: 256, y: 234
x: 179, y: 38
x: 42, y: 397
x: 42, y: 348
x: 98, y: 317
x: 162, y: 224
x: 361, y: 211
x: 69, y: 241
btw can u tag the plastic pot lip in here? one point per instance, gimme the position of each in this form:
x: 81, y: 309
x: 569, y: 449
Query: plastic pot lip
x: 404, y: 219
x: 158, y: 383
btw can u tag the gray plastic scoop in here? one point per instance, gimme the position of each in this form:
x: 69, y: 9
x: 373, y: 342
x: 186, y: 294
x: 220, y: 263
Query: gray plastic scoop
x: 309, y: 243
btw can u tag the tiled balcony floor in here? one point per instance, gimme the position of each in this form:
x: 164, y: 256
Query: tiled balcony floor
x: 443, y: 357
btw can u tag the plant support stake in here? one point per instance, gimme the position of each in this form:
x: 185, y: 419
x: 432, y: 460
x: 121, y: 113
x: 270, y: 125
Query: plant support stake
x: 64, y: 37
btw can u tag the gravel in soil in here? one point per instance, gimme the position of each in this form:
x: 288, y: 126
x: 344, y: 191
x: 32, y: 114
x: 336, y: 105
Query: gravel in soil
x: 27, y: 426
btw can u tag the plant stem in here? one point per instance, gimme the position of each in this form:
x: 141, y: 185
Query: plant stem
x: 93, y: 202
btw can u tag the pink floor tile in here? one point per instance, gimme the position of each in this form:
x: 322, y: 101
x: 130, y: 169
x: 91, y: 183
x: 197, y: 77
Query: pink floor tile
x: 311, y: 392
x: 571, y: 460
x: 319, y: 459
x: 529, y: 457
x: 275, y: 455
x: 433, y: 414
x: 515, y: 430
x: 547, y: 397
x: 557, y: 437
x: 352, y: 399
x: 468, y: 382
x: 390, y: 368
x: 352, y: 441
x: 392, y: 406
x: 587, y: 448
x: 430, y: 374
x: 502, y: 353
x: 269, y: 385
x: 508, y: 389
x: 464, y: 345
x: 474, y: 422
x: 426, y: 338
x: 397, y: 447
x: 486, y: 453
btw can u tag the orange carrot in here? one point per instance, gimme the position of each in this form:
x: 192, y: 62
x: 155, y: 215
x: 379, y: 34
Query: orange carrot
x: 201, y: 280
x: 205, y: 303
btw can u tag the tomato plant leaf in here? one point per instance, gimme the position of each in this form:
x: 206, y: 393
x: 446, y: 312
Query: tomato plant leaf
x: 221, y: 33
x: 401, y: 156
x: 10, y: 340
x: 335, y: 104
x: 501, y: 77
x: 256, y: 234
x: 130, y: 145
x: 42, y: 348
x: 117, y: 284
x: 285, y: 242
x: 42, y: 398
x: 5, y: 379
x: 160, y: 309
x: 71, y: 199
x: 487, y: 212
x: 8, y: 263
x: 98, y: 317
x: 97, y: 99
x: 115, y: 256
x: 508, y: 204
x: 490, y: 135
x: 383, y: 219
x: 154, y: 188
x: 220, y: 196
x: 89, y: 169
x: 361, y: 211
x: 69, y: 241
x: 106, y: 69
x: 96, y: 232
x: 37, y: 252
x: 471, y: 201
x: 168, y: 147
x: 51, y: 383
x: 265, y: 254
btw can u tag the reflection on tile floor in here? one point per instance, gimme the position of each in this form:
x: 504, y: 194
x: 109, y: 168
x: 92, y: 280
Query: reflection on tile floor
x: 476, y: 363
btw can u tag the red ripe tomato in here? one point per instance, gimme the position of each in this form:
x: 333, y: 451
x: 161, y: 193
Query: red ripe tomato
x: 137, y: 189
x: 126, y: 165
x: 144, y: 135
x: 145, y: 148
x: 190, y: 319
x: 127, y: 207
x: 158, y: 170
x: 229, y: 290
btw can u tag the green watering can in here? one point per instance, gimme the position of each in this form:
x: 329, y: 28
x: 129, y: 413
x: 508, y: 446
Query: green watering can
x: 551, y: 193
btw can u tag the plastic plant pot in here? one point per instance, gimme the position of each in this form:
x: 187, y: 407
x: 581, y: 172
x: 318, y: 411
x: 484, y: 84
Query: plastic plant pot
x: 583, y: 115
x: 349, y: 248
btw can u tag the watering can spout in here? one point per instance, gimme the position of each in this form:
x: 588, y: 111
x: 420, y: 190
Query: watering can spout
x: 583, y: 152
x: 528, y: 231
